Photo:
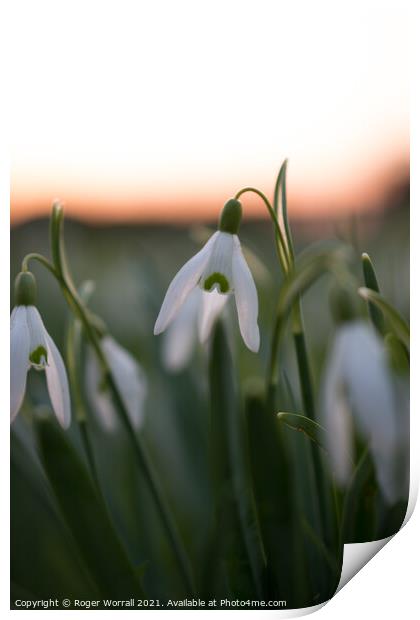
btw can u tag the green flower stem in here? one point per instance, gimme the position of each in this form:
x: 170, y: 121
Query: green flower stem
x: 303, y: 368
x: 41, y: 259
x: 87, y: 444
x: 301, y: 357
x: 282, y: 249
x: 273, y: 365
x: 305, y: 378
x: 71, y: 367
x: 62, y: 275
x: 299, y: 340
x: 139, y: 448
x: 73, y: 345
x: 155, y: 488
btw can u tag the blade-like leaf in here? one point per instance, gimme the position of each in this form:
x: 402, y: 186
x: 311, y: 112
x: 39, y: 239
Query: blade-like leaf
x: 234, y: 545
x: 371, y: 282
x: 275, y: 497
x: 85, y: 513
x: 394, y: 318
x: 358, y: 521
x: 280, y: 195
x: 301, y: 423
x: 306, y: 272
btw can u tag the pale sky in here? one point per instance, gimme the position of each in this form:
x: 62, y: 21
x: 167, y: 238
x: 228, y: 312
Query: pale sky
x: 163, y: 106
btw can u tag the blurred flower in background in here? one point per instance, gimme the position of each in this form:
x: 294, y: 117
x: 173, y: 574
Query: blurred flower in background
x: 358, y: 396
x: 129, y: 378
x: 192, y: 324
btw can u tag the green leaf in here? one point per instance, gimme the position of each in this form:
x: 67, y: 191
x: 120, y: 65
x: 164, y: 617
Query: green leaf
x: 280, y: 188
x: 327, y: 541
x: 275, y: 498
x: 85, y: 513
x: 393, y: 317
x: 330, y: 559
x: 397, y: 354
x: 235, y: 552
x: 358, y: 521
x: 311, y: 429
x: 307, y: 271
x: 371, y: 282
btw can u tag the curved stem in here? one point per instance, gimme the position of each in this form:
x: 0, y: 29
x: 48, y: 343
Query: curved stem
x: 274, y: 349
x: 73, y: 347
x: 283, y: 252
x: 62, y: 274
x: 140, y: 452
x: 41, y: 259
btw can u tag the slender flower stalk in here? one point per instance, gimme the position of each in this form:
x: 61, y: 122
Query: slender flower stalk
x: 60, y: 270
x: 31, y: 346
x: 285, y: 250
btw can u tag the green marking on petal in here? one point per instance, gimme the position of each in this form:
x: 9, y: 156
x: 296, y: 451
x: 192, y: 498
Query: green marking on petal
x: 217, y: 278
x: 39, y: 357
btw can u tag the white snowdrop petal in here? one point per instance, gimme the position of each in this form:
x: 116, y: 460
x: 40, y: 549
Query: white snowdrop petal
x: 182, y: 284
x: 129, y: 378
x: 385, y: 455
x: 217, y: 274
x: 370, y: 394
x: 58, y: 387
x: 246, y: 298
x: 181, y: 336
x: 99, y: 399
x: 358, y: 387
x: 213, y: 304
x: 19, y: 354
x: 37, y: 331
x: 368, y: 379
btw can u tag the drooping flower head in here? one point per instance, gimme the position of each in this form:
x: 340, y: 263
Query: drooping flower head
x: 32, y: 347
x: 221, y: 267
x: 357, y: 395
x: 129, y: 378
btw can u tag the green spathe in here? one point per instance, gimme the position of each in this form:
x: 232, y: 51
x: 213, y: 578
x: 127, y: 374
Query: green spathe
x: 25, y: 289
x: 230, y: 217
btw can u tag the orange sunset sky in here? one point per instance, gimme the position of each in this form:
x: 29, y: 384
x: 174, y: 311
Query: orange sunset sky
x: 164, y: 110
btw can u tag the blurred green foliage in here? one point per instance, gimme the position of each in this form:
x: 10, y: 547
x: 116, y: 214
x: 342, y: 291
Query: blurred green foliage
x: 275, y: 493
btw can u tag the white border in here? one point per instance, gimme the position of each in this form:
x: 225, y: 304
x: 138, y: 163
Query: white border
x: 388, y: 584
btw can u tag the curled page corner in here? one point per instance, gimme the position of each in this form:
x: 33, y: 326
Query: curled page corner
x: 356, y: 556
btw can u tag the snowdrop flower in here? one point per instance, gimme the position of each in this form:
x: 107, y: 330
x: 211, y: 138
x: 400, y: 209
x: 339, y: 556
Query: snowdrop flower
x: 193, y: 322
x: 32, y: 347
x: 358, y: 394
x: 219, y: 266
x: 129, y: 378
